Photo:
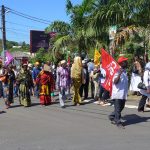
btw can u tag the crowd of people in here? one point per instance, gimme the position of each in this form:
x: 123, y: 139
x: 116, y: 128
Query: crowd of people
x: 82, y: 76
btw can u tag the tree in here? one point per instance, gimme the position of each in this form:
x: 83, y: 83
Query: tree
x: 45, y: 56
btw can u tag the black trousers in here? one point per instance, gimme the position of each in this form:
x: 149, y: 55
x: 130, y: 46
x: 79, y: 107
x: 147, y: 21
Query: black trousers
x: 92, y: 89
x: 84, y: 87
x: 142, y: 103
x: 103, y: 93
x: 118, y: 107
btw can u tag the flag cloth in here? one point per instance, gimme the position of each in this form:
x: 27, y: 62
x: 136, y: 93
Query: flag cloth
x: 8, y: 58
x: 111, y: 67
x: 52, y: 34
x: 97, y: 57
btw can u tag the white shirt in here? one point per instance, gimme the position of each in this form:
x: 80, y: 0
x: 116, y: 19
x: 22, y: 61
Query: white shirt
x: 103, y: 72
x: 146, y: 81
x: 1, y: 71
x: 120, y: 90
x: 146, y: 78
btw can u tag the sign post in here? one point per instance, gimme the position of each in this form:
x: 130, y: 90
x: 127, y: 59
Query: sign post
x: 112, y: 33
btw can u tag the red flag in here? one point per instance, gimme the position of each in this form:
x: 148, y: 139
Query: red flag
x: 111, y: 67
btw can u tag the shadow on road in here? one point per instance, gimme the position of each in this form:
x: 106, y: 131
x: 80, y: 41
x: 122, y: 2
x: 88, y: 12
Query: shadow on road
x: 2, y: 112
x: 134, y: 119
x: 35, y: 104
x: 15, y: 106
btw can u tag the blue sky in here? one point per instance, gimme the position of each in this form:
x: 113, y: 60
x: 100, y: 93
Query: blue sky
x: 18, y: 28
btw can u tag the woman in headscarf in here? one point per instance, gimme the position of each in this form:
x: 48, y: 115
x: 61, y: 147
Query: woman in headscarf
x: 76, y: 76
x: 8, y: 84
x: 145, y: 93
x: 25, y: 80
x: 46, y: 82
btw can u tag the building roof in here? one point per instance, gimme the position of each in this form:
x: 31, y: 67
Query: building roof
x: 20, y: 54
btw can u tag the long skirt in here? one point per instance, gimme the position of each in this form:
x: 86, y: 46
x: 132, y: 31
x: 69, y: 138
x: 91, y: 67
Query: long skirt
x: 8, y: 92
x: 24, y: 95
x: 10, y: 95
x: 76, y: 87
x: 135, y: 80
x: 45, y: 95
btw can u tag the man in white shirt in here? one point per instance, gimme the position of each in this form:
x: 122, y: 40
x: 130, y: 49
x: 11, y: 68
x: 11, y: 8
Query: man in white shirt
x: 119, y: 92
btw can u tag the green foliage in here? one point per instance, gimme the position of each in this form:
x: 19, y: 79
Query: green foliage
x: 42, y: 56
x: 9, y: 44
x: 59, y: 27
x: 90, y: 22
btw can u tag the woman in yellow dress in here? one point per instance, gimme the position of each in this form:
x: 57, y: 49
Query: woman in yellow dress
x: 76, y: 76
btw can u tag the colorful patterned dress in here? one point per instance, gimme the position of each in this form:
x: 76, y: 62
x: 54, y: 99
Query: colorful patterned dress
x: 25, y: 80
x: 47, y: 85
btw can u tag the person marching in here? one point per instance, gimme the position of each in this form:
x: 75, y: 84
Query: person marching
x: 63, y: 82
x: 76, y: 76
x: 46, y: 82
x: 145, y: 93
x: 35, y: 72
x: 8, y: 85
x: 25, y: 80
x: 119, y: 92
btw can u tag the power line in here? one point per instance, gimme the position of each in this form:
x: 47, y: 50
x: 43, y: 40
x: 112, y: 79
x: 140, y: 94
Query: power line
x: 28, y: 16
x: 16, y: 32
x: 20, y: 24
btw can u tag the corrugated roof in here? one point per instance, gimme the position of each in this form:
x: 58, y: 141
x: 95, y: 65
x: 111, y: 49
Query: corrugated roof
x: 19, y: 54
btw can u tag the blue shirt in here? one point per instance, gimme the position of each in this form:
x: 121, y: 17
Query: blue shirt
x: 90, y: 67
x: 35, y: 72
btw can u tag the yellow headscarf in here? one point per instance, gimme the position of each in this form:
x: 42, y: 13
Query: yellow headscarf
x: 76, y: 68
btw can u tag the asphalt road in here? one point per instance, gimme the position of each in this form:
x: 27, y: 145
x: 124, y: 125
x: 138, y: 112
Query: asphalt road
x: 84, y: 127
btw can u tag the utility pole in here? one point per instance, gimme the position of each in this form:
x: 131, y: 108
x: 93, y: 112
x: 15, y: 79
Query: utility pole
x: 3, y: 32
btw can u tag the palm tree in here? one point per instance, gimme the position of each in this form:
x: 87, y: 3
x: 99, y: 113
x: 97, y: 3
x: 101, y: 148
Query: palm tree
x: 79, y: 15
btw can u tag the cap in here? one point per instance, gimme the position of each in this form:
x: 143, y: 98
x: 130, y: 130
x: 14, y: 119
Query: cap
x: 30, y: 65
x: 63, y: 62
x: 37, y: 63
x: 122, y: 59
x: 25, y: 64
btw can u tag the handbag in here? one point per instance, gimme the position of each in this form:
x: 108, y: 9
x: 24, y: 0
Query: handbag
x: 142, y: 86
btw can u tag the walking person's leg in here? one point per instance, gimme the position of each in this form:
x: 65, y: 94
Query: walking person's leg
x: 142, y: 103
x: 119, y: 106
x: 95, y: 91
x: 81, y: 90
x: 92, y: 89
x: 61, y: 97
x: 86, y: 90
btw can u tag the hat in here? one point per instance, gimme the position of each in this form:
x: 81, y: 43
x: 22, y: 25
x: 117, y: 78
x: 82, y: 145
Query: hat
x: 122, y: 59
x: 63, y: 62
x: 30, y: 65
x: 46, y: 68
x: 37, y: 63
x: 25, y: 64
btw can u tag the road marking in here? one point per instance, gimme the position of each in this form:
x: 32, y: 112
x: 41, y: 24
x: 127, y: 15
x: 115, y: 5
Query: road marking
x: 127, y: 106
x: 86, y: 100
